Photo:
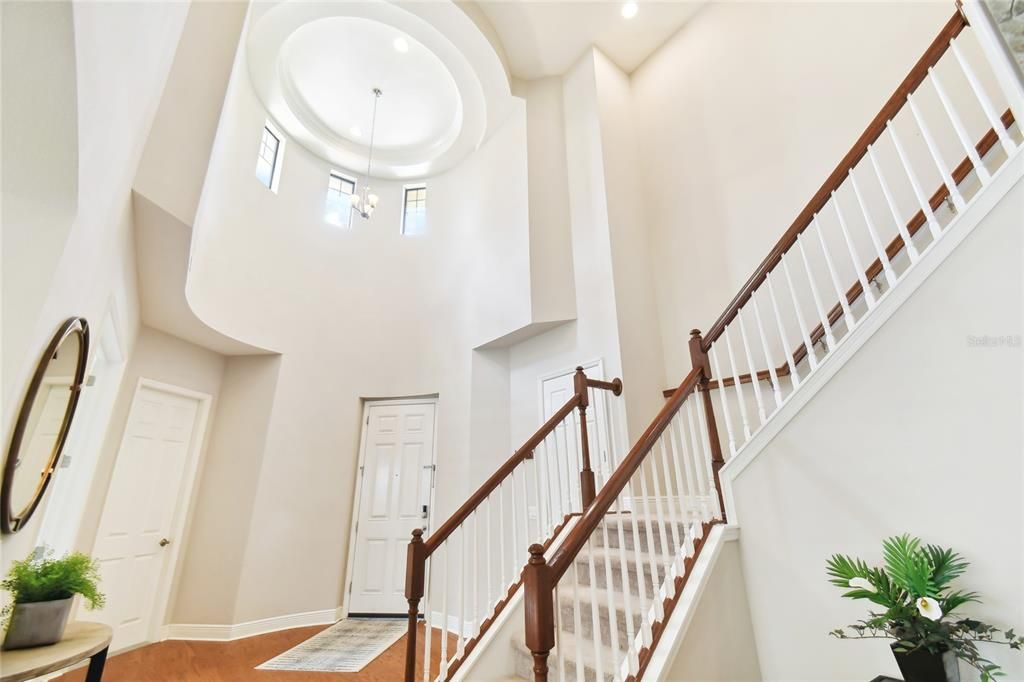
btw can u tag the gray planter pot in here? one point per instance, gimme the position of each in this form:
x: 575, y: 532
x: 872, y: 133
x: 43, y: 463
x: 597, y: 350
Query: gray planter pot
x: 37, y: 624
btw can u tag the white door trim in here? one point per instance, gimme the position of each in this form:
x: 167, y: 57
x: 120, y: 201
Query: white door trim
x: 346, y: 594
x: 592, y: 364
x: 154, y: 630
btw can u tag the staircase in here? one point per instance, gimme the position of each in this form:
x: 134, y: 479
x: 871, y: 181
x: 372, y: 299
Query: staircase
x: 607, y: 567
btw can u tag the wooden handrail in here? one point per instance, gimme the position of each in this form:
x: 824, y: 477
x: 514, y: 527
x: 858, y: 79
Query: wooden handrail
x: 592, y: 516
x: 893, y: 249
x: 491, y: 484
x: 877, y: 126
x: 419, y: 550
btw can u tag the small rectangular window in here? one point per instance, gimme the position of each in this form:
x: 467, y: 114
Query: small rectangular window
x: 338, y: 209
x: 414, y: 213
x: 268, y: 161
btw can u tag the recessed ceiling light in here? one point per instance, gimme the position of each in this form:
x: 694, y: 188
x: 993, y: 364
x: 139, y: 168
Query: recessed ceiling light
x: 401, y: 44
x: 355, y: 131
x: 630, y: 9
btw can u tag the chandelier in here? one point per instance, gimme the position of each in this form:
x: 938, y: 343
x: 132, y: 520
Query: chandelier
x: 365, y: 202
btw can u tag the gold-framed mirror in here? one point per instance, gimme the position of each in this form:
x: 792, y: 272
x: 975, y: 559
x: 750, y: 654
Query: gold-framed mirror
x: 43, y: 423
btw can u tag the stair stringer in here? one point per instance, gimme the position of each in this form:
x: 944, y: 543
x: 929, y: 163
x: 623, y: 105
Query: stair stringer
x: 492, y: 658
x: 888, y: 303
x: 682, y: 615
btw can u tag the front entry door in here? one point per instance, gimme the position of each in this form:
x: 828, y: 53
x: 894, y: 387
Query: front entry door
x: 144, y: 503
x: 396, y: 476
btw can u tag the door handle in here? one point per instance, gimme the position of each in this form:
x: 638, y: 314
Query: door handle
x: 164, y: 542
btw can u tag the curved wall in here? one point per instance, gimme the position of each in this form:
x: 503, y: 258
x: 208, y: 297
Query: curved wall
x: 356, y: 313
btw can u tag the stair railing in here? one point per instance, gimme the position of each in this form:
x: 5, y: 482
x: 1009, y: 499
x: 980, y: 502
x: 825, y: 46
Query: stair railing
x: 776, y: 329
x: 931, y: 115
x: 466, y: 572
x: 602, y: 597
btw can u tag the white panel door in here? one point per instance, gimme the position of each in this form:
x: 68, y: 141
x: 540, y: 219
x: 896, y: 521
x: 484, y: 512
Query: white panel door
x: 139, y: 512
x: 555, y: 391
x: 395, y: 480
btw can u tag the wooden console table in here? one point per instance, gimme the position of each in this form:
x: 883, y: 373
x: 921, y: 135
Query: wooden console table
x: 81, y: 641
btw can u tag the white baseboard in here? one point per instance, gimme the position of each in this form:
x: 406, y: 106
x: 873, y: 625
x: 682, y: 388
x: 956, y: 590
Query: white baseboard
x: 226, y: 633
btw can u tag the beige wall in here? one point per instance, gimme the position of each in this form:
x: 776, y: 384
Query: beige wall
x: 718, y: 645
x: 213, y: 559
x: 919, y: 433
x: 87, y: 269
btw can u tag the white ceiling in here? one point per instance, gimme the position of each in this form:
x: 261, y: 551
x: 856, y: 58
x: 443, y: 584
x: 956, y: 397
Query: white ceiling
x: 314, y: 64
x: 546, y: 38
x: 335, y: 63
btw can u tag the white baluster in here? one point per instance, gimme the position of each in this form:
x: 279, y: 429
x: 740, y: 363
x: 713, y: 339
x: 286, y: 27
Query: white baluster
x: 883, y: 257
x: 983, y: 100
x: 843, y: 303
x: 725, y: 404
x: 651, y: 546
x: 559, y: 655
x: 754, y: 381
x: 787, y: 349
x: 577, y: 631
x: 933, y: 149
x: 502, y: 540
x: 490, y: 555
x: 595, y: 611
x: 826, y: 325
x: 515, y: 547
x: 776, y: 389
x: 670, y: 503
x: 865, y: 289
x: 646, y: 633
x: 462, y: 591
x: 446, y: 578
x: 678, y: 442
x: 537, y: 498
x: 627, y: 597
x: 427, y: 627
x: 737, y: 385
x: 479, y: 609
x: 961, y: 132
x: 811, y: 357
x: 562, y: 484
x: 915, y: 184
x: 708, y: 467
x: 658, y: 517
x: 694, y: 453
x: 901, y: 225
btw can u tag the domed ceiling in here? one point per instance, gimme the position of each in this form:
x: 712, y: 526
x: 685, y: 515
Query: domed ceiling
x: 314, y: 66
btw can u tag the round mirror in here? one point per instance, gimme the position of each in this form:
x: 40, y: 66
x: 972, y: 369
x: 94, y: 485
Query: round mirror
x: 43, y: 423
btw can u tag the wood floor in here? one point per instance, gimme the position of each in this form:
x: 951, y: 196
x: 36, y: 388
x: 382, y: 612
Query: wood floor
x: 191, y: 661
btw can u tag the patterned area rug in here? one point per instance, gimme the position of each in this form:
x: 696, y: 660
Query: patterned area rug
x: 345, y: 647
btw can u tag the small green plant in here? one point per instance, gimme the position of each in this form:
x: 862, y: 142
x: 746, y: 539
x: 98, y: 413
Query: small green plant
x: 915, y: 590
x: 44, y: 578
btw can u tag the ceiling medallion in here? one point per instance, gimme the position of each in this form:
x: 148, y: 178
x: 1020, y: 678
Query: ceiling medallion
x: 365, y: 202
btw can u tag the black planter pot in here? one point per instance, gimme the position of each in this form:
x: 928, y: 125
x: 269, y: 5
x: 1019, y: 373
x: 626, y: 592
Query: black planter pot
x: 922, y: 665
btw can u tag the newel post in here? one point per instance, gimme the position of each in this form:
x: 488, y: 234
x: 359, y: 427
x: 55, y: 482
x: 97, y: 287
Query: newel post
x: 415, y: 569
x: 588, y: 488
x: 699, y: 359
x: 540, y: 611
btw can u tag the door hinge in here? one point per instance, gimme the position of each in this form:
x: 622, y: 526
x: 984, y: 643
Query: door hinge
x: 350, y: 587
x: 367, y: 420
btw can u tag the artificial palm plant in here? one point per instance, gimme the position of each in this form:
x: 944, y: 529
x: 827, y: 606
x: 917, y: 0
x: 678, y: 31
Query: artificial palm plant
x: 915, y: 590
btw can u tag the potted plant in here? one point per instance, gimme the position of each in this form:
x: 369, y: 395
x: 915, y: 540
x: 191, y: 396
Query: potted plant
x: 914, y: 589
x: 42, y: 589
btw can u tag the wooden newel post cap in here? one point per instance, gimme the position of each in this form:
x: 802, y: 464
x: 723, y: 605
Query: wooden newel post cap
x: 537, y: 555
x: 417, y: 535
x: 694, y: 332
